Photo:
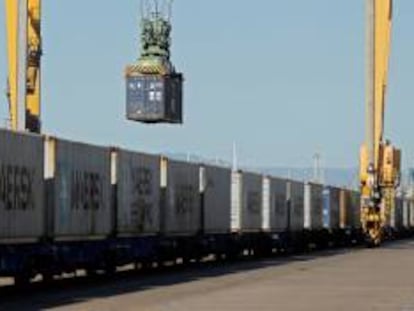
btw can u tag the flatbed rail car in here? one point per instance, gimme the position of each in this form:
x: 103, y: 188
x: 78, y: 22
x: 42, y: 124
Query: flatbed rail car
x: 66, y: 206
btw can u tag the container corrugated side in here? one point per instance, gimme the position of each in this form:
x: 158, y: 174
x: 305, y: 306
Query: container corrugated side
x: 252, y: 202
x: 406, y: 213
x: 79, y: 183
x: 279, y: 209
x: 396, y: 217
x: 21, y: 187
x: 356, y: 209
x: 181, y: 208
x: 345, y: 209
x: 296, y: 198
x: 334, y: 194
x: 215, y: 185
x: 137, y: 185
x: 313, y: 206
x: 246, y: 195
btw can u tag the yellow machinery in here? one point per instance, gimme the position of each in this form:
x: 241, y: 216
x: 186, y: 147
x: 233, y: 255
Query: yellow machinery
x: 24, y: 17
x: 379, y: 160
x: 24, y: 35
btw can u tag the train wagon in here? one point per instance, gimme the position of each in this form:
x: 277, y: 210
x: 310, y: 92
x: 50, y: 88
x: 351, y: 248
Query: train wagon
x: 313, y: 214
x: 136, y: 189
x: 246, y: 210
x: 180, y: 209
x: 215, y: 191
x: 22, y: 208
x: 295, y: 201
x: 275, y: 218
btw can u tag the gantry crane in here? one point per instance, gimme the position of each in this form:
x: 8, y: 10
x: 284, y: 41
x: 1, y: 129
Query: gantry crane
x: 32, y: 61
x: 379, y: 160
x: 154, y: 88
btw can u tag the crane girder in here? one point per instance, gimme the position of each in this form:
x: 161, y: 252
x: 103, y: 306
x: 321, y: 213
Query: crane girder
x: 31, y: 64
x: 379, y: 160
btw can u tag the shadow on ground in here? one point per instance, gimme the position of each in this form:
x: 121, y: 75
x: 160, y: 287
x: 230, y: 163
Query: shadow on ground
x: 65, y: 292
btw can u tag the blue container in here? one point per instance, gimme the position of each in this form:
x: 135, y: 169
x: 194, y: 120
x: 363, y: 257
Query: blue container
x: 154, y: 99
x: 326, y: 208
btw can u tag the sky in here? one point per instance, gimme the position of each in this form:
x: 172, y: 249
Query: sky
x: 282, y: 79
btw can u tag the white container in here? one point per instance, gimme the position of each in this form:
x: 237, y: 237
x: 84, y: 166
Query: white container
x: 21, y: 188
x: 274, y: 208
x: 296, y: 198
x: 79, y: 190
x: 181, y: 209
x: 313, y: 206
x: 246, y: 202
x: 136, y: 180
x: 215, y: 185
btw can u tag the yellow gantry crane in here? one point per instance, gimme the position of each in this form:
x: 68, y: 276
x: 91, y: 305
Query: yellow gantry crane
x: 23, y: 22
x: 379, y: 160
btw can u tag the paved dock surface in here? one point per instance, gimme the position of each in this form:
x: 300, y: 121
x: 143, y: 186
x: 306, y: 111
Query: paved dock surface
x: 357, y: 279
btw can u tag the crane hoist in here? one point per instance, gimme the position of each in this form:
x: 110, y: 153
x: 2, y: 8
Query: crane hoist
x: 379, y: 160
x: 154, y: 88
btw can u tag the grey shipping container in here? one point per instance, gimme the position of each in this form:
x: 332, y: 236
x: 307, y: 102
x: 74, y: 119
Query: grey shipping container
x: 215, y: 186
x: 296, y: 198
x: 331, y: 208
x: 313, y: 206
x: 79, y: 190
x: 21, y: 187
x: 346, y: 212
x: 136, y: 182
x: 274, y: 207
x: 406, y: 213
x: 356, y: 209
x: 396, y: 216
x: 246, y: 202
x: 155, y: 98
x: 180, y: 207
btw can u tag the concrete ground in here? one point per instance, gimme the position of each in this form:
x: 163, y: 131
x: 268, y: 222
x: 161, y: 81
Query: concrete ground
x: 358, y: 279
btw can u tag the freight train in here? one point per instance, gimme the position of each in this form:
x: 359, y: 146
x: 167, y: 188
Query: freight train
x: 66, y: 206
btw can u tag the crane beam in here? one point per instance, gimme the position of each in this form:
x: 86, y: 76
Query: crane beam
x: 12, y: 25
x: 380, y: 162
x: 28, y: 11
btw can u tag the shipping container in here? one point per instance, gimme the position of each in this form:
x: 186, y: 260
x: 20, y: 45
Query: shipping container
x: 21, y: 187
x: 215, y: 186
x: 331, y: 196
x: 396, y: 215
x: 346, y: 209
x: 406, y: 213
x: 274, y: 207
x: 246, y: 202
x: 411, y: 203
x: 79, y: 190
x: 313, y: 206
x: 355, y: 205
x: 180, y: 208
x: 136, y: 184
x: 296, y: 199
x: 155, y: 98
